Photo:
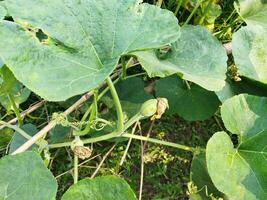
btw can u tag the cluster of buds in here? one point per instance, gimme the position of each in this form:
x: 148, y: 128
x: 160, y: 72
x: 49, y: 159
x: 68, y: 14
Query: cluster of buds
x: 60, y: 118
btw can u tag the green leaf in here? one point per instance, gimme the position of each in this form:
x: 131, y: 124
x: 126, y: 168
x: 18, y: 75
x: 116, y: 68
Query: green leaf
x: 18, y: 139
x: 201, y: 179
x: 6, y: 135
x: 24, y: 176
x: 245, y: 115
x: 85, y: 41
x: 59, y: 134
x: 207, y: 14
x: 100, y: 188
x: 226, y: 92
x: 9, y: 85
x: 240, y: 172
x: 196, y: 54
x: 1, y: 63
x: 249, y: 50
x: 254, y: 12
x: 20, y: 94
x: 246, y: 86
x: 191, y: 104
x: 3, y: 11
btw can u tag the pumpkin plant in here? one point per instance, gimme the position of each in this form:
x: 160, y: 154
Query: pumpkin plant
x: 66, y: 49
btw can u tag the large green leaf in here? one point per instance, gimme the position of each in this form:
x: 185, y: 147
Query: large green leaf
x: 250, y: 50
x: 100, y: 188
x: 192, y: 104
x: 24, y: 176
x: 196, y: 54
x: 254, y: 12
x: 241, y: 172
x: 85, y: 41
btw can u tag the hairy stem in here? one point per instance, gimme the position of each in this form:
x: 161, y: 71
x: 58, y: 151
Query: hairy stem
x: 117, y: 105
x: 115, y: 134
x: 171, y: 144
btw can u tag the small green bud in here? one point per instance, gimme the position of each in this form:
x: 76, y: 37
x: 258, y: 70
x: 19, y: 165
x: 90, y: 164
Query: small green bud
x: 149, y: 108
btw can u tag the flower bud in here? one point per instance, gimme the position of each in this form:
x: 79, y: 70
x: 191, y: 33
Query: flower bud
x: 149, y: 108
x: 161, y: 107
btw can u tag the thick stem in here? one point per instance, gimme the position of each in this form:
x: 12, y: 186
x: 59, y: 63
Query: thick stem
x: 115, y: 134
x: 16, y: 110
x: 117, y: 105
